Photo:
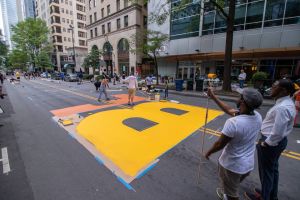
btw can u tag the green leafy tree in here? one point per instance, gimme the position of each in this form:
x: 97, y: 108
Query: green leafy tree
x: 93, y: 58
x: 149, y: 44
x: 3, y: 53
x: 31, y: 36
x: 226, y: 8
x: 18, y: 59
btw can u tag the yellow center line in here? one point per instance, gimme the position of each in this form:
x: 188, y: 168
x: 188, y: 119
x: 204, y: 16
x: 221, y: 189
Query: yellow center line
x: 287, y: 153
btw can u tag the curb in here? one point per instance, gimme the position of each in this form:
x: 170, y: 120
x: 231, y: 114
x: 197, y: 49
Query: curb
x: 224, y: 98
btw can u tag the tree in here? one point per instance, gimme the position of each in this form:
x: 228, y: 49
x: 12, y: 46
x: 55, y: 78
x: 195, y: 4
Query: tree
x: 93, y: 58
x: 160, y: 15
x: 31, y: 36
x: 149, y: 44
x: 18, y: 59
x: 3, y: 52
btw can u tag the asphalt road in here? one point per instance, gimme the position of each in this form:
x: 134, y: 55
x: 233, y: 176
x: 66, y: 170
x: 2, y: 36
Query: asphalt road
x: 47, y: 164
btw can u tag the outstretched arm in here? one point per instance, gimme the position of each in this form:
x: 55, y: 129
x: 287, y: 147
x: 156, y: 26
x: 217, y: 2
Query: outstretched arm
x: 225, y: 107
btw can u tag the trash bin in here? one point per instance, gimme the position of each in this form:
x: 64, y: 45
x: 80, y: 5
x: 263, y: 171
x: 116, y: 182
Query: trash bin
x: 190, y: 84
x: 199, y: 85
x: 178, y: 84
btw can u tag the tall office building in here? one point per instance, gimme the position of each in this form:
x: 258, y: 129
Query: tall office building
x: 29, y: 8
x: 66, y: 20
x: 10, y: 17
x: 110, y: 25
x: 266, y: 38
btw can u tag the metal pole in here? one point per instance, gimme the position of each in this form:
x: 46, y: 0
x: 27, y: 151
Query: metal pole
x: 73, y: 46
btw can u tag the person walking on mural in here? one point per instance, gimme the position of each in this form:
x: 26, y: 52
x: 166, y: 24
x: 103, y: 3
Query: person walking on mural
x: 277, y: 125
x: 149, y: 82
x: 132, y: 87
x: 102, y: 89
x: 242, y: 78
x: 237, y: 141
x: 166, y: 88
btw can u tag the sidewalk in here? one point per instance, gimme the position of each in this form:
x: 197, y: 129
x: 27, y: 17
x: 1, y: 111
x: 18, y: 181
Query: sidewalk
x: 266, y: 102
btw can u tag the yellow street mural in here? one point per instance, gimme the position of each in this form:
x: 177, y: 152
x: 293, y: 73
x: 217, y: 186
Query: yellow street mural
x: 133, y: 150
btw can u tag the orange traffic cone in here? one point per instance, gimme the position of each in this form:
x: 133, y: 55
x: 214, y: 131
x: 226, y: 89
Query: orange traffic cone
x: 297, y: 118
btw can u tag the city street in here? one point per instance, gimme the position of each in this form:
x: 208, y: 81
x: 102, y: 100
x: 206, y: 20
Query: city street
x: 50, y: 161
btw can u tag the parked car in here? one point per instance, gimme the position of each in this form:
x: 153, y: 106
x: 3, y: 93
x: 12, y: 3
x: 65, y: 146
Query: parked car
x: 71, y: 77
x: 55, y: 76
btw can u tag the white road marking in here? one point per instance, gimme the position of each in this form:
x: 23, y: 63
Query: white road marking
x: 5, y: 161
x: 298, y: 141
x: 117, y: 90
x: 30, y: 98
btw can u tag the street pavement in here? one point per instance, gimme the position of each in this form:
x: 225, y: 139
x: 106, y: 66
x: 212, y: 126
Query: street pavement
x: 46, y: 163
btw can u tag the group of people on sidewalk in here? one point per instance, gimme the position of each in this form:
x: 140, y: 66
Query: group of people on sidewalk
x: 238, y: 141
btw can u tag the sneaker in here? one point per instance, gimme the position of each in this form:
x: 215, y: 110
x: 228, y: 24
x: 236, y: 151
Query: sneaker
x: 250, y: 196
x: 220, y: 193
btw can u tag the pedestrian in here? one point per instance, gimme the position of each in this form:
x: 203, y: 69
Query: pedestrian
x: 1, y: 78
x: 80, y: 76
x: 242, y: 78
x: 237, y: 141
x: 132, y: 87
x: 276, y: 126
x: 149, y: 82
x: 166, y: 88
x: 103, y: 86
x: 62, y: 76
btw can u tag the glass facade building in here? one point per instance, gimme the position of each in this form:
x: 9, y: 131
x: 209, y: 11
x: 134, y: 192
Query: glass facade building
x: 249, y: 14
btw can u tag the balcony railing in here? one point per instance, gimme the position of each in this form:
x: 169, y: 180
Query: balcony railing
x: 53, y: 1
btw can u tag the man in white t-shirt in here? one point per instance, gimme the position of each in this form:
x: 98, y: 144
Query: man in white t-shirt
x: 237, y: 141
x: 132, y: 87
x: 242, y: 78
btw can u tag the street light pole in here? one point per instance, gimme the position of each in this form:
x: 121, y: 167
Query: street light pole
x: 74, y: 58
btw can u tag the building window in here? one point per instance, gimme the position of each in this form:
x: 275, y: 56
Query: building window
x: 108, y: 27
x: 69, y: 39
x: 185, y: 22
x: 292, y: 12
x: 91, y: 19
x: 102, y: 12
x: 63, y: 20
x: 64, y: 29
x: 96, y: 32
x: 65, y: 39
x: 71, y: 12
x: 145, y: 21
x: 68, y: 21
x: 254, y: 16
x: 103, y: 29
x: 62, y: 10
x: 274, y: 13
x: 118, y: 5
x: 118, y: 24
x: 90, y: 4
x: 126, y: 21
x: 108, y: 10
x: 91, y: 32
x: 125, y: 3
x: 67, y: 11
x: 95, y: 16
x: 71, y: 21
x: 81, y: 42
x: 94, y: 3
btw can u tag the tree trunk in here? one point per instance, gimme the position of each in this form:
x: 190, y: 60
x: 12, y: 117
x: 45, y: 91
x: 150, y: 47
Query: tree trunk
x: 156, y: 68
x: 228, y: 47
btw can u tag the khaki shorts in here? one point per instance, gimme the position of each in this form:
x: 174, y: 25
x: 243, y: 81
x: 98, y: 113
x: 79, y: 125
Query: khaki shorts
x: 131, y: 91
x: 230, y: 181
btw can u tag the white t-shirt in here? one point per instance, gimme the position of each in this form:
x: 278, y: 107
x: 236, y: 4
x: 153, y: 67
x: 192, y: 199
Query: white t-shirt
x: 132, y: 82
x: 242, y: 76
x: 238, y: 154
